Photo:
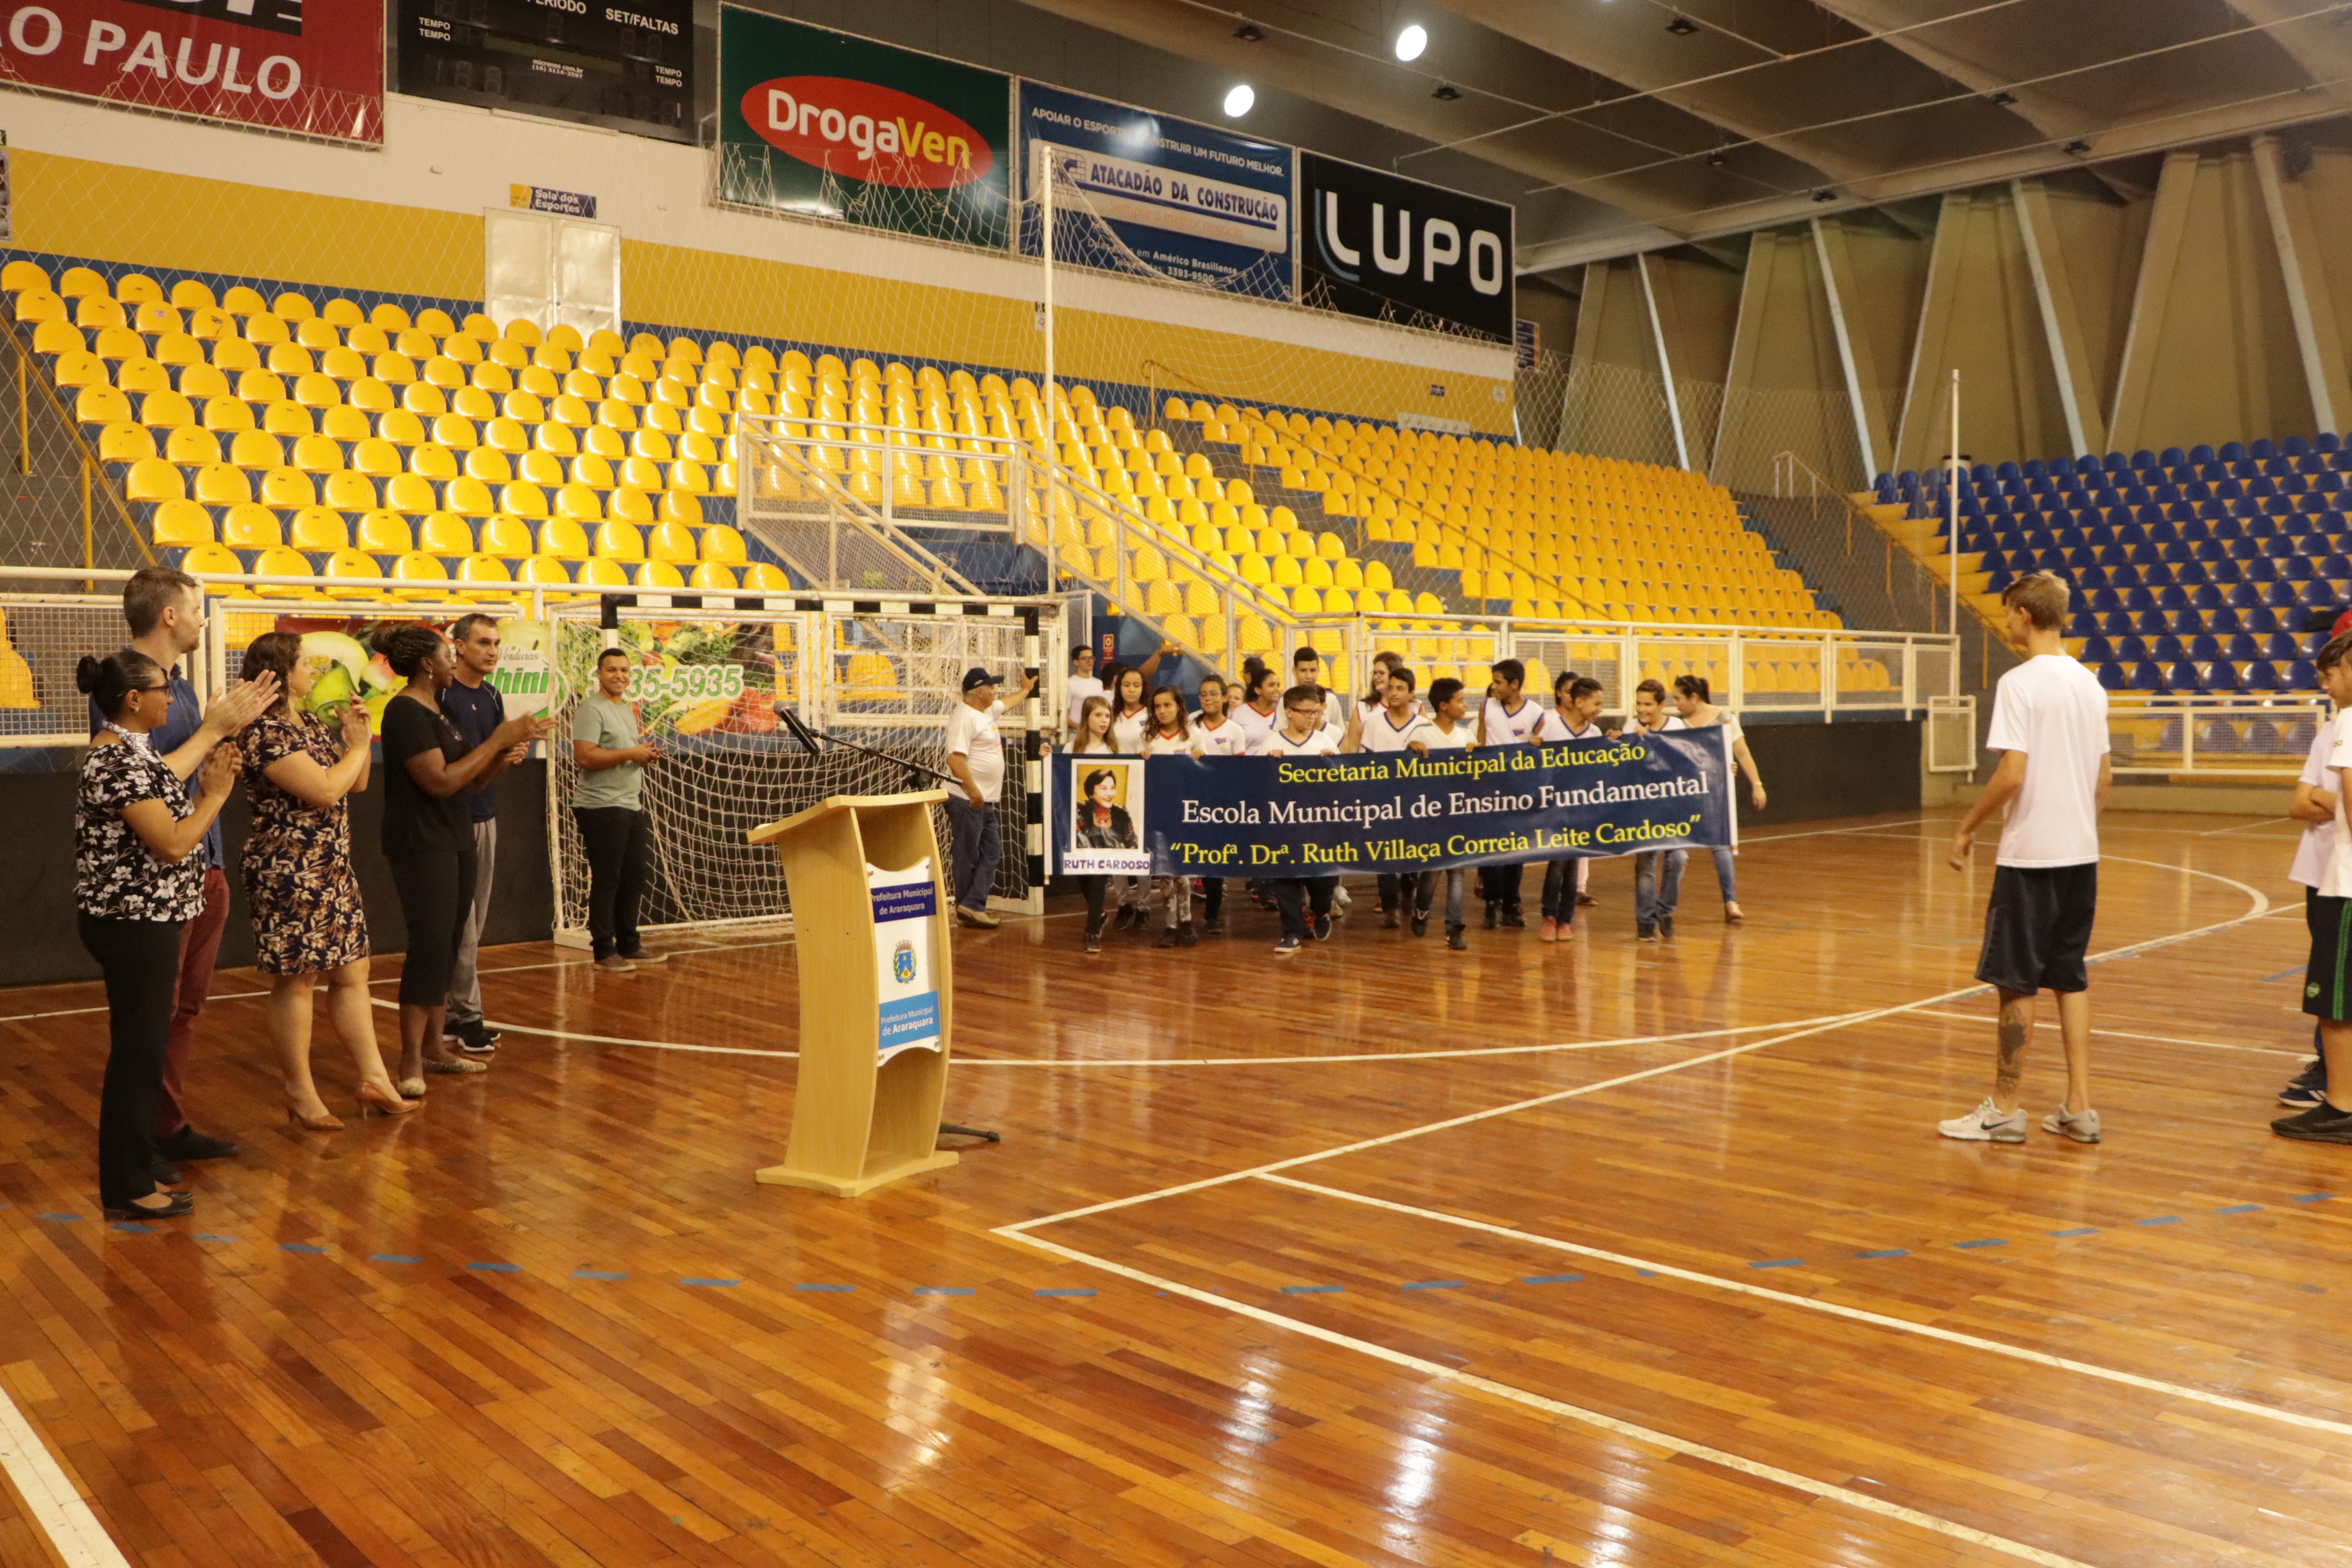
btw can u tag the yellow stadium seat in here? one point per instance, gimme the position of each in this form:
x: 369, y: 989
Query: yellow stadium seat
x: 541, y: 468
x: 681, y: 506
x: 191, y: 446
x: 765, y: 578
x: 600, y: 572
x: 212, y: 561
x: 507, y: 538
x: 250, y: 526
x: 318, y: 530
x: 445, y: 534
x: 563, y: 539
x: 622, y: 542
x: 524, y: 501
x: 410, y: 493
x: 183, y: 522
x: 543, y: 569
x: 386, y: 533
x: 280, y: 561
x: 286, y: 418
x: 433, y: 462
x: 257, y: 449
x: 288, y: 489
x: 712, y: 576
x: 418, y: 567
x: 723, y: 544
x: 125, y: 442
x: 152, y: 478
x: 629, y: 504
x: 376, y: 458
x: 484, y: 570
x: 657, y: 574
x: 164, y: 410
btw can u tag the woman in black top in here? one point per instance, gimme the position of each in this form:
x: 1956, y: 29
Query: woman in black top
x: 428, y: 835
x: 138, y: 877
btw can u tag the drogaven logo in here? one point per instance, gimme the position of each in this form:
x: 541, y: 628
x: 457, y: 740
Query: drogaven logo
x: 866, y: 132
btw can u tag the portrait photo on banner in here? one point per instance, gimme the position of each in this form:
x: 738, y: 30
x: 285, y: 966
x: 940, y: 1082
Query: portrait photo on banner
x: 1103, y: 836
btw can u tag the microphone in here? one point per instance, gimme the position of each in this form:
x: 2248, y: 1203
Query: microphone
x: 798, y: 731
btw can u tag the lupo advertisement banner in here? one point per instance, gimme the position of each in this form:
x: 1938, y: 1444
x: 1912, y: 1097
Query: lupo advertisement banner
x: 1382, y: 245
x: 823, y: 124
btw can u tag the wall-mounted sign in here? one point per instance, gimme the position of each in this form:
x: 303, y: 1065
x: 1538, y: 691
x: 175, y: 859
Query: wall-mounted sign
x: 266, y: 63
x: 540, y: 199
x: 828, y: 125
x: 1391, y: 248
x: 628, y: 66
x: 1147, y: 192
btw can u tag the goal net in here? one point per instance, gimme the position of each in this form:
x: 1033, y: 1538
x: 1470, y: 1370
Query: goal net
x: 707, y: 687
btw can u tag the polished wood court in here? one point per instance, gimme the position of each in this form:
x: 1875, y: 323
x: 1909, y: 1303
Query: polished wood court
x: 1605, y: 1252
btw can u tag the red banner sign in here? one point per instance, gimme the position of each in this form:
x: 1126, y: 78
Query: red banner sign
x: 314, y: 69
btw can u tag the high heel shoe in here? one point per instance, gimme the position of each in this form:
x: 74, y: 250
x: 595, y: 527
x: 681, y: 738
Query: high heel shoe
x: 325, y: 1122
x: 374, y: 1101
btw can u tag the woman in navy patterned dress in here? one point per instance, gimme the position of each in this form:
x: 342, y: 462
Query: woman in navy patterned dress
x: 307, y: 918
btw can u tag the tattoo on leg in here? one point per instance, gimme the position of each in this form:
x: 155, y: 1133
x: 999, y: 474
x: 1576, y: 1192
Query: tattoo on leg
x: 2013, y: 1054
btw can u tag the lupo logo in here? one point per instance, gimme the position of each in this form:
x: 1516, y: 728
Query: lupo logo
x: 866, y: 132
x: 1441, y: 247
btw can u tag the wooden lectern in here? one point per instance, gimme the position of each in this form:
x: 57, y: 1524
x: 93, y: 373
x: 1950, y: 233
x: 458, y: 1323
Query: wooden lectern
x: 857, y: 1120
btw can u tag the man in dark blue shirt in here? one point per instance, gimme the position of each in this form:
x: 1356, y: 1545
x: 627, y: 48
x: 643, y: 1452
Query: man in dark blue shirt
x: 472, y: 704
x: 166, y: 611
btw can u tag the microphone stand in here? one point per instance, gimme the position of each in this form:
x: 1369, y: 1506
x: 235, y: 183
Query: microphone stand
x: 915, y: 772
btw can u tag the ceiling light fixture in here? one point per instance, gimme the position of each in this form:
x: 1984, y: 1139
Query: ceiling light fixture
x: 1682, y: 27
x: 1447, y: 92
x: 1238, y: 101
x: 2077, y: 147
x: 1716, y: 160
x: 2004, y: 97
x: 1412, y: 41
x: 1825, y: 195
x: 1250, y: 33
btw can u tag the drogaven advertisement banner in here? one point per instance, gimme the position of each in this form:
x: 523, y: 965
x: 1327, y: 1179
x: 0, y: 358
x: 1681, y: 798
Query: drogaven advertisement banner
x: 823, y: 124
x: 1190, y: 201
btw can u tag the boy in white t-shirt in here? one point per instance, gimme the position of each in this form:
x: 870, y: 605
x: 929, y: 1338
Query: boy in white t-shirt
x: 1302, y: 734
x: 2314, y: 808
x: 1082, y: 683
x: 2050, y: 726
x: 1657, y: 873
x: 1574, y: 717
x: 1396, y: 725
x: 2327, y: 980
x: 1509, y: 718
x: 1220, y: 735
x: 1449, y: 730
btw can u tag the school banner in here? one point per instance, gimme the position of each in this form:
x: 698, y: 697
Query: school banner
x: 1394, y: 812
x: 1379, y: 245
x: 1191, y: 202
x: 314, y: 70
x: 824, y: 124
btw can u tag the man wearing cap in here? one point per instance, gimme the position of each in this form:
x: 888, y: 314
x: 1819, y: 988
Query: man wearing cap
x: 976, y: 758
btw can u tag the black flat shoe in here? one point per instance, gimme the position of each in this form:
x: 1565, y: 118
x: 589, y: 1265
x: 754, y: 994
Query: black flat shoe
x: 180, y: 1204
x: 188, y: 1143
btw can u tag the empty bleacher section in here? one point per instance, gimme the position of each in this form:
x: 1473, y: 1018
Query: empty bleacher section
x: 2201, y: 572
x: 294, y: 433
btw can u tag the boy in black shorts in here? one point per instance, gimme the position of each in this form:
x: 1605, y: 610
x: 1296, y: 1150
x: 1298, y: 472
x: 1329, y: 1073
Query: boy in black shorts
x: 2050, y: 726
x: 2328, y: 982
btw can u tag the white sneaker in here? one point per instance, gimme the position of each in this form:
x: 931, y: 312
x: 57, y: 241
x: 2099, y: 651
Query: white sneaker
x: 1985, y: 1125
x: 2082, y: 1129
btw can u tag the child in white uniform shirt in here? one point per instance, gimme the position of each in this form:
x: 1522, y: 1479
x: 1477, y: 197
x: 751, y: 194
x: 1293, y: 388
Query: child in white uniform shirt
x: 1657, y: 873
x: 2314, y: 808
x: 2328, y: 913
x: 1449, y: 730
x: 1575, y: 716
x: 1171, y: 736
x: 2050, y: 725
x: 1220, y: 735
x: 1302, y: 734
x: 1397, y: 725
x: 1508, y: 719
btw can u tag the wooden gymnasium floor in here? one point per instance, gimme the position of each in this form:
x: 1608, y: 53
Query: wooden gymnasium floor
x: 1642, y: 1255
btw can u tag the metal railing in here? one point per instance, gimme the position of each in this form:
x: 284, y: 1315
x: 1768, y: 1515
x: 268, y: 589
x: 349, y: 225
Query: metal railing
x: 810, y: 512
x: 2213, y: 740
x: 1750, y: 670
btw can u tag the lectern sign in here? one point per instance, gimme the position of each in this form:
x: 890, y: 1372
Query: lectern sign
x: 904, y: 904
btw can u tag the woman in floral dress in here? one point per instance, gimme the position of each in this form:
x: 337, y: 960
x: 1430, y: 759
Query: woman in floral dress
x: 307, y: 918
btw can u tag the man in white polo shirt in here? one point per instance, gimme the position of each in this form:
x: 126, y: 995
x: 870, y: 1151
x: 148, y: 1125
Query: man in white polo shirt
x: 2050, y: 725
x: 976, y: 758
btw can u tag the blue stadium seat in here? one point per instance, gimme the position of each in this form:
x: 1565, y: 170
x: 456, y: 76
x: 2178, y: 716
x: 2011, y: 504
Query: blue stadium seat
x: 2183, y: 679
x: 2283, y: 647
x: 2172, y: 458
x: 2172, y: 598
x: 2146, y: 677
x: 2111, y: 676
x: 2241, y: 648
x: 2299, y: 735
x: 2203, y: 648
x: 2260, y: 622
x: 2131, y: 650
x: 2259, y: 676
x: 2302, y: 677
x: 2222, y: 621
x: 2166, y: 649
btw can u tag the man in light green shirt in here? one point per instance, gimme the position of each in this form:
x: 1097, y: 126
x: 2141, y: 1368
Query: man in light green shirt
x: 608, y: 804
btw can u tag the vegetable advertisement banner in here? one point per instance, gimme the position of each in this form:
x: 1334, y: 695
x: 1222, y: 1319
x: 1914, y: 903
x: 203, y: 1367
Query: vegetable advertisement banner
x: 1390, y: 812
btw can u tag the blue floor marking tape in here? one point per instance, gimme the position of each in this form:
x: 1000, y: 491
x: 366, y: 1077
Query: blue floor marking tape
x: 302, y: 1246
x: 944, y: 1290
x: 1431, y: 1285
x: 2078, y: 1230
x: 596, y: 1274
x: 715, y: 1284
x: 2160, y: 1219
x: 1067, y: 1290
x: 1886, y: 1252
x: 1551, y: 1278
x: 1312, y: 1289
x: 393, y: 1257
x: 496, y: 1267
x: 843, y: 1290
x: 1982, y: 1241
x: 1779, y: 1263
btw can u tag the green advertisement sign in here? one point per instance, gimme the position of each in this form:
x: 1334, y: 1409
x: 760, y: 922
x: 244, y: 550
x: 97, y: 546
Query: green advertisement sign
x: 826, y: 125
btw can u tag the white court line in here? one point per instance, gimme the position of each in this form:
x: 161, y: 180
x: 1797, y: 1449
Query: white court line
x: 2131, y: 1035
x: 1439, y: 1372
x: 1838, y: 1309
x: 49, y: 1496
x: 1823, y: 832
x: 2240, y: 828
